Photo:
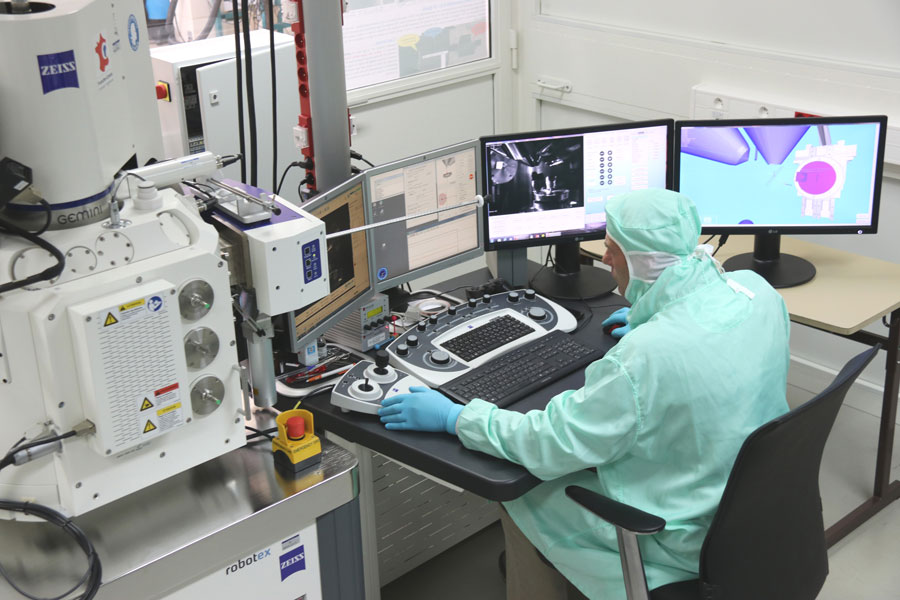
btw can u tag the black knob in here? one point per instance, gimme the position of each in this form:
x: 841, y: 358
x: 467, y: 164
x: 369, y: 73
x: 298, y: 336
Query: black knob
x: 473, y: 302
x: 486, y: 298
x: 451, y: 311
x: 440, y: 357
x: 381, y: 359
x: 529, y: 294
x: 421, y: 326
x: 367, y: 327
x: 433, y: 319
x: 412, y: 341
x: 513, y: 296
x: 402, y: 350
x: 365, y: 386
x: 537, y: 313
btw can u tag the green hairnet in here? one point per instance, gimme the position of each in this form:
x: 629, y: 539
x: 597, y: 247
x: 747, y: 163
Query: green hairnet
x: 655, y: 229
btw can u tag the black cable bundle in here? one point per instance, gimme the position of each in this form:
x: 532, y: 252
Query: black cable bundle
x: 271, y: 6
x: 240, y: 87
x: 46, y: 274
x: 251, y: 101
x: 94, y: 573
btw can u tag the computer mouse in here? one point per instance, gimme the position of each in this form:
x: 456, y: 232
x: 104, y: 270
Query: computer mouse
x: 610, y: 328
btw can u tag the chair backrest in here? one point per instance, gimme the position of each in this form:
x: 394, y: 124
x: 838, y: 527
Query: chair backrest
x: 767, y: 538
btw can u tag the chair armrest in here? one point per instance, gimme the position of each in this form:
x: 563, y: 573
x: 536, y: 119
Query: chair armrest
x: 618, y: 514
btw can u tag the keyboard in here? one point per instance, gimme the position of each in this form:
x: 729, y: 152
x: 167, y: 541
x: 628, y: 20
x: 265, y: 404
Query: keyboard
x: 490, y: 336
x: 521, y: 371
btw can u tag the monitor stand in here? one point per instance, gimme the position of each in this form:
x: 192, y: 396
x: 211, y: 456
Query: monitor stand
x: 780, y: 270
x: 571, y: 280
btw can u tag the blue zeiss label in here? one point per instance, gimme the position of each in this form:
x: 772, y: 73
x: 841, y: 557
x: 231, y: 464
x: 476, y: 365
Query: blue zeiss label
x: 134, y: 33
x: 312, y: 261
x: 58, y: 70
x: 292, y: 562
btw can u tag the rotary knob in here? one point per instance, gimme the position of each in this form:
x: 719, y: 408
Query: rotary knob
x: 421, y: 326
x: 402, y: 350
x: 529, y: 294
x: 451, y: 311
x: 513, y: 296
x: 412, y: 341
x: 473, y: 302
x: 486, y: 298
x: 537, y: 313
x: 439, y: 357
x: 433, y: 319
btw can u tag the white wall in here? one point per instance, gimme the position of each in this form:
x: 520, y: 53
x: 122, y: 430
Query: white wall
x: 633, y: 61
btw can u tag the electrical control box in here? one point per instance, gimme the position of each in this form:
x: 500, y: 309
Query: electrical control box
x: 366, y: 327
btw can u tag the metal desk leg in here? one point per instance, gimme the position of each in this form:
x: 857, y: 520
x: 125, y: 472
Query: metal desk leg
x: 885, y: 491
x: 366, y: 516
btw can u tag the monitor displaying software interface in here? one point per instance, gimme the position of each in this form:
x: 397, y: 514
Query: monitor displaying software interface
x: 440, y: 179
x: 348, y: 259
x: 556, y: 184
x: 789, y: 175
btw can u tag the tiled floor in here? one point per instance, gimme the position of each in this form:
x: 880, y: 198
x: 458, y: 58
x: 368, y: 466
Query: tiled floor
x: 862, y: 566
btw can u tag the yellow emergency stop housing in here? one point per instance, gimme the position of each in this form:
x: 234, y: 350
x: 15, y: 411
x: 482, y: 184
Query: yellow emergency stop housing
x: 296, y: 454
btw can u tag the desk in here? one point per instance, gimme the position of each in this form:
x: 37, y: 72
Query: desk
x: 848, y: 292
x: 443, y: 456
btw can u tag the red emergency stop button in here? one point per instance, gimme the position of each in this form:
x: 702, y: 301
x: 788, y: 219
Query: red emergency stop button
x: 162, y: 91
x: 296, y: 428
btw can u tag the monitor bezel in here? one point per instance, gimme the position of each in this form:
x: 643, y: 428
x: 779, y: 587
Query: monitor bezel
x: 669, y: 124
x: 791, y: 229
x: 412, y: 274
x: 299, y: 343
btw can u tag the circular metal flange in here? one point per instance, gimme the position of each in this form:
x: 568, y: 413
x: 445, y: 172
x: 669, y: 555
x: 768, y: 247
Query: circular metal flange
x: 207, y: 395
x: 195, y: 299
x: 201, y: 345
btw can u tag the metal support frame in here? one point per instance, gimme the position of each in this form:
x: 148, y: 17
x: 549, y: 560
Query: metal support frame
x: 885, y: 491
x: 632, y: 565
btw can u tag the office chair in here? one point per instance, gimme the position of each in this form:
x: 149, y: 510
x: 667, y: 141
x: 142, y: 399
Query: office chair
x: 767, y: 538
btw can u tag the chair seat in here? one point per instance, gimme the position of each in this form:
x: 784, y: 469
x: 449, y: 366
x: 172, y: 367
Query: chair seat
x: 680, y: 590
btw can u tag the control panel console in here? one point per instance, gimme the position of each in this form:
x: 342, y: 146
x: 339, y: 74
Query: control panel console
x: 447, y: 345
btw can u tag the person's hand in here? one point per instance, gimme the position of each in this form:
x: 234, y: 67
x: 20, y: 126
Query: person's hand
x: 423, y: 409
x: 620, y: 317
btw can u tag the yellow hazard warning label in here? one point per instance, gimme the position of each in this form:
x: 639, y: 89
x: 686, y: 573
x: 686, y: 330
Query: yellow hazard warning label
x: 146, y: 404
x: 149, y: 426
x: 110, y: 320
x: 168, y: 409
x: 134, y: 304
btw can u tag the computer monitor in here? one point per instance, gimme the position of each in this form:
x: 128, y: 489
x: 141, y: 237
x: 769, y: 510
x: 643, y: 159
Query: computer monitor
x: 440, y: 179
x: 767, y: 177
x: 349, y: 270
x: 551, y: 187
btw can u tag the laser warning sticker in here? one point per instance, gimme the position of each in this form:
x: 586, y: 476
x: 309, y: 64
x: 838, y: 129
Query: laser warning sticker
x: 110, y: 320
x: 160, y: 411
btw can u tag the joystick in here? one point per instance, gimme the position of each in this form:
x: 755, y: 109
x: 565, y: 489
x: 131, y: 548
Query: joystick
x: 365, y: 385
x: 381, y: 362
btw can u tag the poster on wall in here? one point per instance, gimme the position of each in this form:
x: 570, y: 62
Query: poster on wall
x: 386, y: 40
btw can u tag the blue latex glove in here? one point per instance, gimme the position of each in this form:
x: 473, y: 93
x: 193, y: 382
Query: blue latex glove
x: 620, y: 316
x: 424, y: 409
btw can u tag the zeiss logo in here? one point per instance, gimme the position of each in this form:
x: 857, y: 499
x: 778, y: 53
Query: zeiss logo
x: 58, y: 70
x: 293, y: 561
x: 154, y: 304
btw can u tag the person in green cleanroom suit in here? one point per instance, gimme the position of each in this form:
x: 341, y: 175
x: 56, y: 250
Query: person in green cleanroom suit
x: 661, y: 416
